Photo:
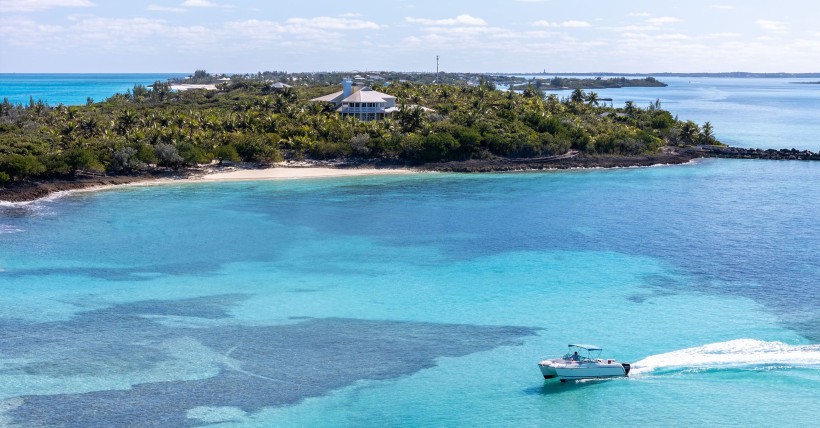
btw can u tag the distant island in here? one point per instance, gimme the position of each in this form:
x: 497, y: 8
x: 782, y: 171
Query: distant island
x: 557, y: 83
x: 733, y: 74
x: 155, y: 131
x: 201, y: 79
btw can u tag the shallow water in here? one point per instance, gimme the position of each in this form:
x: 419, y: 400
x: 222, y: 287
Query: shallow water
x: 203, y: 291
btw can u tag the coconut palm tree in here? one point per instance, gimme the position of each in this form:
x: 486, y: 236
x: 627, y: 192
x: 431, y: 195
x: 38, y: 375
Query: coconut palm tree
x: 592, y: 99
x: 577, y: 96
x: 707, y: 133
x: 689, y: 132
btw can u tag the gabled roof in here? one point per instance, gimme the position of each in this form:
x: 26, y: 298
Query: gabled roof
x: 367, y: 95
x: 335, y: 97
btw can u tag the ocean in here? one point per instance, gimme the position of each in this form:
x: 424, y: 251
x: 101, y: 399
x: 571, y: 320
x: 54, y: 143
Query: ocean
x: 777, y: 113
x: 72, y: 89
x: 426, y: 299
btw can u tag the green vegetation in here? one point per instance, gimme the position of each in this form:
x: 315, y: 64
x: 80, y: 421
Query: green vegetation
x: 154, y: 128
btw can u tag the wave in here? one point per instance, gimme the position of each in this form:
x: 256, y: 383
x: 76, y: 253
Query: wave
x: 5, y: 228
x: 738, y: 354
x: 48, y: 198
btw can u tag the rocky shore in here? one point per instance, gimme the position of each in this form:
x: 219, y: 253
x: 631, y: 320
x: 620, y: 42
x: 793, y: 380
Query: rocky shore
x: 572, y: 160
x: 771, y: 154
x: 23, y: 191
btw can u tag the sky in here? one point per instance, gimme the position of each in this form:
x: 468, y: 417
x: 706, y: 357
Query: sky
x: 239, y: 36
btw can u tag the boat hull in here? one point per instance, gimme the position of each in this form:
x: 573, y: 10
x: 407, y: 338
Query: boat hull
x: 590, y: 371
x: 548, y: 371
x: 571, y: 370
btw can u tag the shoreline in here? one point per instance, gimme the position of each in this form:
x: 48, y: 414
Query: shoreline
x: 29, y: 191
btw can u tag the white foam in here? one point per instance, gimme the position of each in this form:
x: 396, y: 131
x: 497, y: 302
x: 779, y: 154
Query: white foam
x: 734, y: 354
x: 5, y: 228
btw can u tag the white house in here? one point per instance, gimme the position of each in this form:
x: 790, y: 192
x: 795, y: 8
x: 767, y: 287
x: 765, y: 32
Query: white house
x: 363, y: 104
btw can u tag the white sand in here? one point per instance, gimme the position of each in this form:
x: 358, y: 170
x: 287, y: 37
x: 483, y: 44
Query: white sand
x: 186, y: 86
x: 216, y: 174
x: 295, y: 172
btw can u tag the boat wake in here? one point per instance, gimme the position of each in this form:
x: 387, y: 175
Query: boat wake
x: 738, y: 354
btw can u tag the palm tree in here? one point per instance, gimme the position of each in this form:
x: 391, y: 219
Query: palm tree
x: 577, y: 96
x: 689, y: 132
x: 592, y: 99
x: 629, y: 108
x: 707, y: 133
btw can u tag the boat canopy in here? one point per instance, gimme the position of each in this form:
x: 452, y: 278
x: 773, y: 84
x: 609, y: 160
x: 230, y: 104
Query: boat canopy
x: 587, y: 347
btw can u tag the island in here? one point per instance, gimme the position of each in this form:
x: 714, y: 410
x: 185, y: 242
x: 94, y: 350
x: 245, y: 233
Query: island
x: 151, y: 132
x: 558, y: 83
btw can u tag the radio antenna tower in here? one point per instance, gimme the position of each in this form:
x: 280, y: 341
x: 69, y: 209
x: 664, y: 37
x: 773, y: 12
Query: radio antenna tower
x: 436, y: 68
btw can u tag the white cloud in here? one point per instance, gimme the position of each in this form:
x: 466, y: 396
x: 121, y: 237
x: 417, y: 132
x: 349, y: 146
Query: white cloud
x: 640, y: 14
x: 672, y: 37
x: 459, y: 20
x: 204, y: 3
x: 565, y: 24
x: 633, y: 28
x: 771, y: 25
x: 37, y: 5
x: 158, y: 8
x: 722, y: 6
x: 661, y: 20
x: 25, y: 32
x: 332, y: 23
x: 725, y: 35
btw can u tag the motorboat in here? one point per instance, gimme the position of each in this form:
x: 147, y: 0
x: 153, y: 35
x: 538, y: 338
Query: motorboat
x: 582, y: 362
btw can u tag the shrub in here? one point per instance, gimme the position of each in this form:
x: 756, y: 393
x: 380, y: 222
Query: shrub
x: 55, y: 165
x: 436, y: 147
x: 358, y: 144
x: 329, y: 150
x: 18, y: 166
x: 147, y: 154
x: 255, y: 148
x: 193, y: 155
x: 126, y: 160
x: 82, y: 159
x: 168, y: 156
x: 226, y: 153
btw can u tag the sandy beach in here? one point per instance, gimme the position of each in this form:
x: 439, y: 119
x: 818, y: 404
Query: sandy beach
x: 31, y: 191
x: 186, y: 86
x: 290, y: 172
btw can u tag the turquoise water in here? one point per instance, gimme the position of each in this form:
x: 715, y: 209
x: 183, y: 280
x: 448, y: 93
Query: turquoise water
x: 72, y: 89
x: 417, y: 300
